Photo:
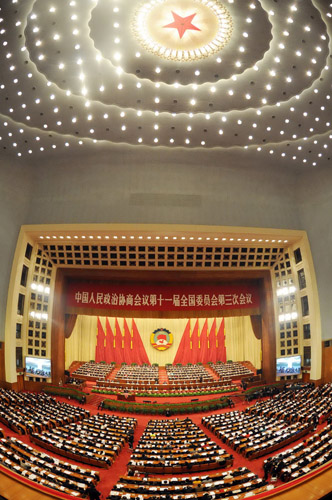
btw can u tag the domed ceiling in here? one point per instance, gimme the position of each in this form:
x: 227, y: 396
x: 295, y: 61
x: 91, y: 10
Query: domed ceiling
x: 190, y: 74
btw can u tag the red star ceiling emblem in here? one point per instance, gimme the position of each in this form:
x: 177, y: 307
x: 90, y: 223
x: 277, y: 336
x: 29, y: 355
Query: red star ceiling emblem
x: 182, y: 24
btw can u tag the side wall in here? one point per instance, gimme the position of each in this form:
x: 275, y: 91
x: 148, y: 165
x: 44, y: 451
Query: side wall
x: 15, y: 195
x: 163, y: 187
x: 315, y: 209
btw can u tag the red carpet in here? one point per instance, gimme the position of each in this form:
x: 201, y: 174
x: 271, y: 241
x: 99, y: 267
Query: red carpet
x: 109, y: 477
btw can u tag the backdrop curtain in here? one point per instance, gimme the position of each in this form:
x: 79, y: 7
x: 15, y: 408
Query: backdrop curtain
x: 81, y: 345
x: 210, y: 337
x: 241, y: 342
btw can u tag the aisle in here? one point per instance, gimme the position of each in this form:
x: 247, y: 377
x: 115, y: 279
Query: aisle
x: 109, y: 477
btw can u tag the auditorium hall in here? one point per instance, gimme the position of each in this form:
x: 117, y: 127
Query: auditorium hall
x: 166, y: 191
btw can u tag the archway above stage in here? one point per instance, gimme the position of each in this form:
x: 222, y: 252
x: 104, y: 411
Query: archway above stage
x: 264, y: 314
x: 193, y: 340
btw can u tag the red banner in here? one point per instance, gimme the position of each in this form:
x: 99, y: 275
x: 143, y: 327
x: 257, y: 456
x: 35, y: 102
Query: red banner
x: 157, y: 297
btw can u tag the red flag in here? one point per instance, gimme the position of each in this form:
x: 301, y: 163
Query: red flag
x: 129, y: 353
x: 100, y: 347
x: 204, y: 354
x: 138, y: 347
x: 118, y: 349
x: 109, y: 349
x: 194, y: 345
x: 184, y: 345
x: 221, y: 350
x: 212, y: 342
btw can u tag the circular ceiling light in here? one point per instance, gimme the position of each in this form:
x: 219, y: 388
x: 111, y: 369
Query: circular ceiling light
x: 182, y: 30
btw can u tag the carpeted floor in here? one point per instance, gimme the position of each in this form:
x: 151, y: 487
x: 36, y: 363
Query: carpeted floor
x: 109, y: 477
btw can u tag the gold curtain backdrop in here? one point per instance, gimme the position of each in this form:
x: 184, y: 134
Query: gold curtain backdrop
x: 241, y: 343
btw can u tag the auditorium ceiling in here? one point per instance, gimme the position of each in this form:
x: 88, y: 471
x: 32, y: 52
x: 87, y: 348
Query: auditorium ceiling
x: 230, y: 76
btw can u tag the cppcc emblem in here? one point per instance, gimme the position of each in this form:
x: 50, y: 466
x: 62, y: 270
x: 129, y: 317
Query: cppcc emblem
x: 161, y: 339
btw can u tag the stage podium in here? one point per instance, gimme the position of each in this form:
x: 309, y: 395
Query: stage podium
x: 126, y: 397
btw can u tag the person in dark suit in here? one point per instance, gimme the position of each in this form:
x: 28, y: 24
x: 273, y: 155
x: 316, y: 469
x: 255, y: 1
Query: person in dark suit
x: 267, y: 466
x: 93, y: 493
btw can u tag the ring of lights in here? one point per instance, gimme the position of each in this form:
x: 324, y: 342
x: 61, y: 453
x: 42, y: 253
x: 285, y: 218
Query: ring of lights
x: 156, y: 36
x: 74, y: 73
x: 113, y: 38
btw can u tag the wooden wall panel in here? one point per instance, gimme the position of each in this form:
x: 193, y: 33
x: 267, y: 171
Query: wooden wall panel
x: 326, y: 364
x: 58, y: 329
x: 268, y: 332
x: 2, y: 362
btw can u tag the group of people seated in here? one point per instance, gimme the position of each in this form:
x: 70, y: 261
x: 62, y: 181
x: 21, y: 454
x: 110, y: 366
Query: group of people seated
x: 254, y: 436
x: 26, y: 413
x: 186, y: 387
x: 96, y: 440
x: 92, y: 370
x: 302, y: 458
x: 306, y: 404
x: 194, y: 372
x: 167, y: 446
x: 75, y: 381
x: 233, y: 370
x: 231, y: 484
x: 44, y: 469
x: 138, y: 373
x: 177, y: 444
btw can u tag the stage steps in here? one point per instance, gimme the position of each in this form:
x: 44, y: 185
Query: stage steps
x: 74, y: 366
x: 113, y: 373
x: 211, y: 372
x: 162, y: 374
x: 95, y: 399
x: 249, y: 365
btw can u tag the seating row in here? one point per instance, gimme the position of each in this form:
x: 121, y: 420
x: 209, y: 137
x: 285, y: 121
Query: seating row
x: 176, y: 445
x: 139, y: 372
x: 231, y: 484
x: 93, y: 371
x: 44, y: 469
x: 232, y: 370
x: 304, y: 404
x: 26, y: 413
x: 186, y: 386
x: 302, y: 458
x: 254, y: 436
x: 188, y: 372
x: 96, y: 440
